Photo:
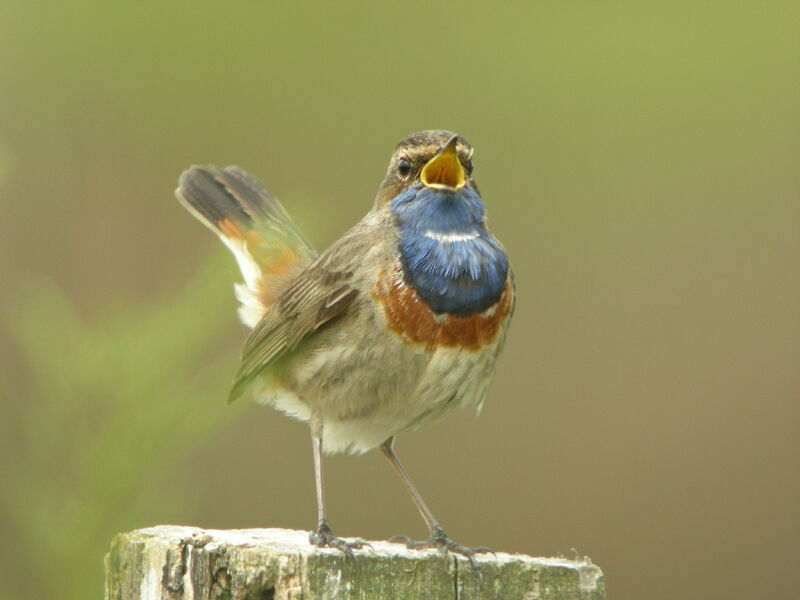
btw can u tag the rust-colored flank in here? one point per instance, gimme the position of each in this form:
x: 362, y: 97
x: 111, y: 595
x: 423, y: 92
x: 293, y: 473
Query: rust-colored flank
x: 411, y: 318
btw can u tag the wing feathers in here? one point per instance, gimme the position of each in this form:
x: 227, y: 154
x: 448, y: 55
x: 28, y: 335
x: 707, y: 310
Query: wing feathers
x: 321, y: 293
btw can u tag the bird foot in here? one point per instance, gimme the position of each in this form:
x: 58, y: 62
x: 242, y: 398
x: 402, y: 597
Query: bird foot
x: 324, y: 537
x: 439, y: 540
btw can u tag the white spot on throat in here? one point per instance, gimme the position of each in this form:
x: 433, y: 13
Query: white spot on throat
x: 449, y: 238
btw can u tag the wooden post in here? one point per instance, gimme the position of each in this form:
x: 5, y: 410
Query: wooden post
x: 185, y: 563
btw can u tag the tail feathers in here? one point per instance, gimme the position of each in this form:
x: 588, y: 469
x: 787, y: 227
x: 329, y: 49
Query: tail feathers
x: 253, y: 225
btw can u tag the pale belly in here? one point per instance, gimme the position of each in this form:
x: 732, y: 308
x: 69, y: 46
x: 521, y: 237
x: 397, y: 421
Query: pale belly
x: 370, y: 388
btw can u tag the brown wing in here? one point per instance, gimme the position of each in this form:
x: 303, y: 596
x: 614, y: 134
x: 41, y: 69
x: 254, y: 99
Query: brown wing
x: 319, y: 294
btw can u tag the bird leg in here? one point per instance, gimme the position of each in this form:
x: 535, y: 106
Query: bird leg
x: 438, y: 538
x: 324, y: 536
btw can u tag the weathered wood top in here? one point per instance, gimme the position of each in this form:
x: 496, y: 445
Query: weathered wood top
x: 175, y: 563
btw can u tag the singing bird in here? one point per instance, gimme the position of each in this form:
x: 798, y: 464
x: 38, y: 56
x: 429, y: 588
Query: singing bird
x: 396, y: 323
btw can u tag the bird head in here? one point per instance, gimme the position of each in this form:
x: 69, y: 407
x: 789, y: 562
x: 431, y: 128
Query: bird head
x: 434, y: 159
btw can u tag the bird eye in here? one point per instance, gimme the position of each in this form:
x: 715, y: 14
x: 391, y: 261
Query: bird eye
x: 403, y: 167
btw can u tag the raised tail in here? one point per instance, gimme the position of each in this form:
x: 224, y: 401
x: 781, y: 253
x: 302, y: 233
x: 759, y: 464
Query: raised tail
x: 253, y: 225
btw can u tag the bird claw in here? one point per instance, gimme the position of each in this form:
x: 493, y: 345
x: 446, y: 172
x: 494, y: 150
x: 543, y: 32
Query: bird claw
x: 444, y: 544
x: 324, y: 537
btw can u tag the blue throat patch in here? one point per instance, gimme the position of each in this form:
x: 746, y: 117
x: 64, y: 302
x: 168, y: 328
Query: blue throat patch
x: 449, y: 256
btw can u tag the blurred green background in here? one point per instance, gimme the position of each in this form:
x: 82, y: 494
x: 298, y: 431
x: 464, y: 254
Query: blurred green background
x: 639, y: 161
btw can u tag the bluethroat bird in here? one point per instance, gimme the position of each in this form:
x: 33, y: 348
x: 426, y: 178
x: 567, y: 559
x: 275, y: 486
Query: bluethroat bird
x: 396, y: 323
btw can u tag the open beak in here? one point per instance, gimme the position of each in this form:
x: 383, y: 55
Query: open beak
x: 444, y: 171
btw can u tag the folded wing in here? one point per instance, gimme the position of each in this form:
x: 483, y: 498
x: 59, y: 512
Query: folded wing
x: 319, y: 294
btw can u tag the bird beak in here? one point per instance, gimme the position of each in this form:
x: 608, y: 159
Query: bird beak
x: 444, y: 171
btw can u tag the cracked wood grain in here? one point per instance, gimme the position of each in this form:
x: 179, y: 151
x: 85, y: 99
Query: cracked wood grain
x: 185, y: 563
